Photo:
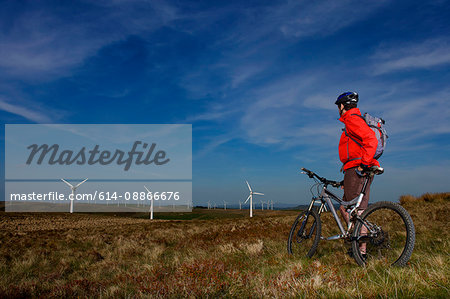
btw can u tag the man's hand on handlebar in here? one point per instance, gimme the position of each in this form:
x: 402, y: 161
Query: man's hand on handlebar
x: 363, y: 168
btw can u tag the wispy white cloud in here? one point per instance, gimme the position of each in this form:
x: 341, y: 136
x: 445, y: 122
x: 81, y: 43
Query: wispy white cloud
x: 298, y: 112
x: 321, y: 18
x: 321, y: 100
x: 273, y: 113
x: 241, y: 74
x: 251, y: 45
x: 216, y: 114
x: 34, y: 114
x: 302, y: 19
x: 420, y: 115
x: 44, y: 42
x: 212, y: 144
x: 426, y: 54
x: 277, y: 114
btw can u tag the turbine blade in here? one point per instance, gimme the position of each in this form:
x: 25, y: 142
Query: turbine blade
x: 258, y: 193
x: 81, y: 183
x: 247, y: 199
x: 147, y: 189
x: 70, y: 185
x: 249, y: 186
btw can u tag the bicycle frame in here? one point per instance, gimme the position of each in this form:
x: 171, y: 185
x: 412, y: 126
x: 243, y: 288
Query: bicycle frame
x: 366, y: 232
x: 325, y: 198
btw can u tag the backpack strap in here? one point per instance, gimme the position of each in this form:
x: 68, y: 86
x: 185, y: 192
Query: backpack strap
x: 363, y: 118
x: 360, y: 117
x: 348, y: 135
x: 354, y: 139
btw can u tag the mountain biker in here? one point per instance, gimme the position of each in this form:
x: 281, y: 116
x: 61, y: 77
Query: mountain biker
x: 357, y: 148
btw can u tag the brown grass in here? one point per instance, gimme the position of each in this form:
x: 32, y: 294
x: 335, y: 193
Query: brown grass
x: 229, y: 255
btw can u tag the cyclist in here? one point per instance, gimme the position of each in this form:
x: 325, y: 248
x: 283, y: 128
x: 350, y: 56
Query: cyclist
x: 357, y: 148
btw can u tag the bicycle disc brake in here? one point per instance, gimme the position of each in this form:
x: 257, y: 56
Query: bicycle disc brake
x: 380, y: 238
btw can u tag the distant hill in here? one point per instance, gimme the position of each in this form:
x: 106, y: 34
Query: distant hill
x: 276, y: 206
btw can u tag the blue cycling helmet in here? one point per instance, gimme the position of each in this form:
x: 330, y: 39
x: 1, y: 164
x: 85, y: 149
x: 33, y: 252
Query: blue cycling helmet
x: 349, y: 97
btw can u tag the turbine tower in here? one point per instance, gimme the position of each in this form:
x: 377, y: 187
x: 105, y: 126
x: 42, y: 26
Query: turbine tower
x: 74, y: 188
x: 224, y: 205
x: 251, y: 198
x: 151, y: 204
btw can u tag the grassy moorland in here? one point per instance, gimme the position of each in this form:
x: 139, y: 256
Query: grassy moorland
x: 211, y: 253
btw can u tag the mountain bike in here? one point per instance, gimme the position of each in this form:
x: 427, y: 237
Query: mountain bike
x: 385, y: 228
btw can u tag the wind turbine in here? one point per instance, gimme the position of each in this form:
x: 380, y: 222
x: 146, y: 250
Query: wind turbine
x: 74, y: 188
x: 251, y: 198
x: 224, y: 205
x: 262, y: 205
x: 209, y: 205
x: 240, y: 205
x: 151, y: 203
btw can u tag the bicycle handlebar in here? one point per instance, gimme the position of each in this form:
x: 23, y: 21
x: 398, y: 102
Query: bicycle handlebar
x: 323, y: 180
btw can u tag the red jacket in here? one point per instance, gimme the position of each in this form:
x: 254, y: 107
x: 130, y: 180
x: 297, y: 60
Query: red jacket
x: 351, y: 153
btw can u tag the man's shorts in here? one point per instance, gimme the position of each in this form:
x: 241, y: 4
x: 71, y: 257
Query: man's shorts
x: 353, y: 184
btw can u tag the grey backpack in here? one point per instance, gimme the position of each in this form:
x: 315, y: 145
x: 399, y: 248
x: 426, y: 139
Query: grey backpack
x: 377, y: 125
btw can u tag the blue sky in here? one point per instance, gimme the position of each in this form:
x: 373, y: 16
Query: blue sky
x: 256, y: 79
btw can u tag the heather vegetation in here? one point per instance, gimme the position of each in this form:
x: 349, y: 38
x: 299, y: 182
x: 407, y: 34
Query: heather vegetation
x: 209, y: 253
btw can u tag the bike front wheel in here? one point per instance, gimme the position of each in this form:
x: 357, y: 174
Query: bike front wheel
x: 304, y: 236
x: 386, y: 233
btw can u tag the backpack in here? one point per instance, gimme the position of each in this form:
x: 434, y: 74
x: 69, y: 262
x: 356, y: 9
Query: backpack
x: 377, y: 125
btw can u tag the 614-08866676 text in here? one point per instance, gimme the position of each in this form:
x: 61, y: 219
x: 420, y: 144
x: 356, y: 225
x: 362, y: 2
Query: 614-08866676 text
x: 166, y: 195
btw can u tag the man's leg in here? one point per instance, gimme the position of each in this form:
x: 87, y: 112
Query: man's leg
x: 352, y: 188
x: 362, y: 246
x: 362, y: 208
x: 344, y: 214
x: 353, y: 184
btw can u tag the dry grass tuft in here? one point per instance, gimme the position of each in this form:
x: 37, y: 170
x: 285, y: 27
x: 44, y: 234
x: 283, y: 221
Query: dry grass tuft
x: 254, y: 248
x: 427, y: 197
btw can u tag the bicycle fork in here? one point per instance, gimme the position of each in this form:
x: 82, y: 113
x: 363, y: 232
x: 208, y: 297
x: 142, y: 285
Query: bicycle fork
x: 302, y: 227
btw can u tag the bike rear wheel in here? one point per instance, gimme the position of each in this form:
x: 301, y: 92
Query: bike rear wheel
x: 304, y: 236
x: 387, y: 231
